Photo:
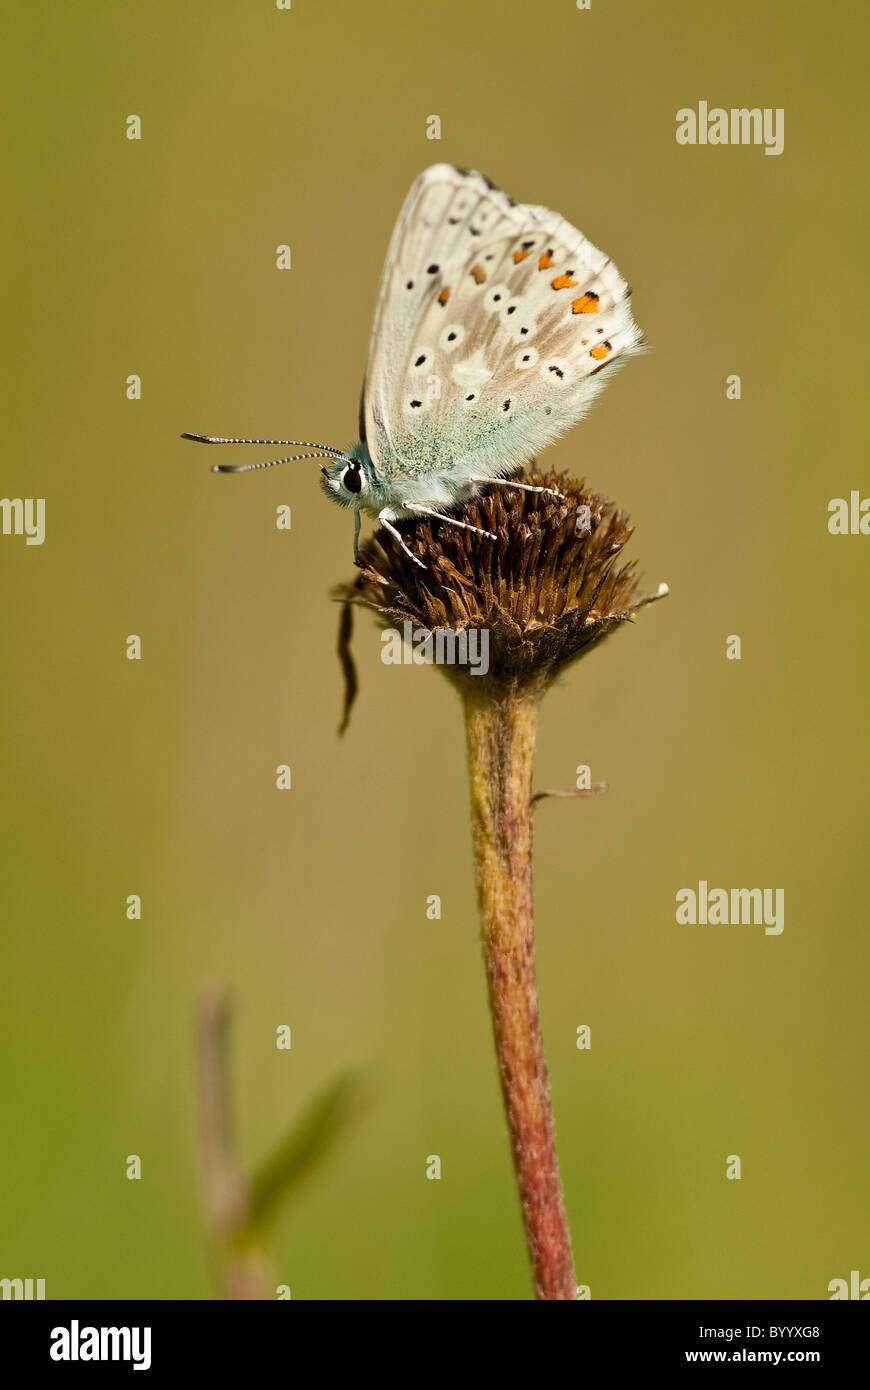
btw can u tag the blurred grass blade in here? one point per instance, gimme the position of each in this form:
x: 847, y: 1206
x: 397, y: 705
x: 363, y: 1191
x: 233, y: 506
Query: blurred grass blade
x: 305, y: 1147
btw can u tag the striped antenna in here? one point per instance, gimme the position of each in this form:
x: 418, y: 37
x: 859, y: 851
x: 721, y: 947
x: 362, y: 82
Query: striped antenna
x: 300, y: 443
x: 322, y: 451
x: 272, y: 463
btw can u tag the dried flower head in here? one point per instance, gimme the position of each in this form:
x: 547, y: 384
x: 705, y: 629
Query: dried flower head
x: 547, y: 590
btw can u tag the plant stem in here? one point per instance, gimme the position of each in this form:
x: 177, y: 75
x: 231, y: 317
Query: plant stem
x: 501, y: 743
x: 241, y: 1268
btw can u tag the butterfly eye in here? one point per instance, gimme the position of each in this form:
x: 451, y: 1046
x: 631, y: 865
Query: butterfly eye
x: 352, y: 479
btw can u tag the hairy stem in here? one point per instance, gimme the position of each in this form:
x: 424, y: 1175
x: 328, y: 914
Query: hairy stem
x: 501, y: 744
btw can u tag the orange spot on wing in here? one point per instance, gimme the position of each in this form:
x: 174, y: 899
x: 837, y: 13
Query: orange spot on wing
x: 479, y: 273
x: 546, y: 261
x: 586, y: 304
x: 600, y: 352
x: 563, y: 282
x: 444, y: 296
x: 520, y: 256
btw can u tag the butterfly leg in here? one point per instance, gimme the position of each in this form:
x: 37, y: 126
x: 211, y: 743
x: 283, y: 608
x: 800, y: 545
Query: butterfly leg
x: 508, y: 482
x: 356, y: 525
x: 386, y: 518
x: 454, y: 521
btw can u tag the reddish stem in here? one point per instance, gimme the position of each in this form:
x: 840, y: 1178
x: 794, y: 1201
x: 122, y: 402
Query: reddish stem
x: 501, y: 744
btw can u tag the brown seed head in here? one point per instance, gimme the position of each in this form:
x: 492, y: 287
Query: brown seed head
x: 547, y: 589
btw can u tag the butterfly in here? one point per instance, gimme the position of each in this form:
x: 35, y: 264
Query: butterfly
x: 495, y: 325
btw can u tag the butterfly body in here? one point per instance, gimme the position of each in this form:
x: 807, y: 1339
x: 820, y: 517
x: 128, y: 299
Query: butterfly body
x: 353, y: 481
x: 495, y: 326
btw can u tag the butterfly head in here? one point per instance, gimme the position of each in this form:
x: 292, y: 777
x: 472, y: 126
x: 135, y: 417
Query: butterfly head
x: 351, y: 480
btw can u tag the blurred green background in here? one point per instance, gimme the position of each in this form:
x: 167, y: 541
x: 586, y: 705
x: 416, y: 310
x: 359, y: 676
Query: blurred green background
x: 157, y: 257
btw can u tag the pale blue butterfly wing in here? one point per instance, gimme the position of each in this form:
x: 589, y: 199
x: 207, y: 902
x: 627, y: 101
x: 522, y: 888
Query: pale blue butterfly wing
x: 493, y: 326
